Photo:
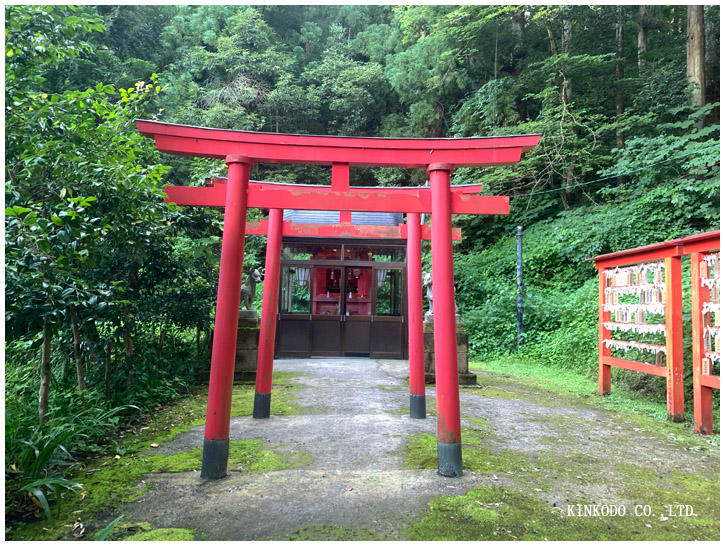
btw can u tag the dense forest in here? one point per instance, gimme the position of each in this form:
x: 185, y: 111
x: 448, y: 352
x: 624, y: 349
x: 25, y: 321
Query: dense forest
x: 110, y: 292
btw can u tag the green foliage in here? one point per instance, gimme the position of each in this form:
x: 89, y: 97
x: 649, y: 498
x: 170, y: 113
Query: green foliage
x: 88, y: 236
x: 108, y: 528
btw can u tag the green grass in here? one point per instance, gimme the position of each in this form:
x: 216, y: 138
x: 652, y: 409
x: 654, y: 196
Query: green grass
x: 117, y: 477
x: 579, y: 388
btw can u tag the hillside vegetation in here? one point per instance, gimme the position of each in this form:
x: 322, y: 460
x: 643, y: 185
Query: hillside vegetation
x: 110, y: 292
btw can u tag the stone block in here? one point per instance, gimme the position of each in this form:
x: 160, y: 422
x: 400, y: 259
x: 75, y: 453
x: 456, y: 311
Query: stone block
x: 464, y: 376
x: 245, y: 361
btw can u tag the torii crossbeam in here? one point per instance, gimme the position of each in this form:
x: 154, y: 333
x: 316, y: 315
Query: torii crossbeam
x: 214, y: 195
x: 240, y: 149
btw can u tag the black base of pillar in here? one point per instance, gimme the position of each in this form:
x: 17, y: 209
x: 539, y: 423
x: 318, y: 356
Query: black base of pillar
x: 214, y: 459
x: 417, y: 406
x: 450, y: 460
x: 262, y: 404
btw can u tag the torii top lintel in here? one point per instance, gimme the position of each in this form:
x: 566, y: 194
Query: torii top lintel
x: 326, y: 150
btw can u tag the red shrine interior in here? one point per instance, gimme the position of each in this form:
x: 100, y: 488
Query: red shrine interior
x: 341, y: 297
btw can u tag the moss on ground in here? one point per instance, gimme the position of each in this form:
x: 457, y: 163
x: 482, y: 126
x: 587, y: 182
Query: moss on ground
x: 170, y: 533
x: 422, y: 452
x: 244, y: 455
x: 490, y: 391
x: 489, y: 513
x: 190, y: 411
x: 505, y: 386
x: 329, y: 532
x: 493, y: 513
x: 118, y: 478
x: 496, y: 514
x: 142, y: 531
x: 116, y: 481
x: 662, y: 490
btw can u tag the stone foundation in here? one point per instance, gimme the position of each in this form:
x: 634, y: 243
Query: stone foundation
x: 245, y: 361
x: 464, y: 376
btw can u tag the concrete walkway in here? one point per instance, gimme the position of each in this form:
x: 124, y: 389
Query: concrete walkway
x: 354, y: 426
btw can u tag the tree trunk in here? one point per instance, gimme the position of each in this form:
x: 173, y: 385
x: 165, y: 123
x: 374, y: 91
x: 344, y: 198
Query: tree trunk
x: 162, y: 338
x: 565, y: 96
x: 127, y: 339
x: 643, y: 23
x: 565, y: 41
x: 712, y: 63
x: 45, y: 374
x: 209, y: 342
x: 518, y: 24
x: 77, y: 348
x: 564, y: 201
x: 552, y: 39
x: 696, y: 56
x: 107, y: 371
x: 91, y: 332
x: 198, y: 342
x: 618, y: 92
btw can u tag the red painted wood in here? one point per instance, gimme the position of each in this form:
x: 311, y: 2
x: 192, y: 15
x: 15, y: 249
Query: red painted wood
x: 671, y: 252
x: 633, y: 365
x: 710, y: 381
x: 415, y: 307
x: 373, y: 202
x: 673, y: 335
x: 358, y: 157
x: 326, y: 150
x: 693, y: 243
x: 303, y: 199
x: 461, y: 188
x: 605, y: 371
x: 629, y: 259
x: 444, y: 311
x: 341, y: 182
x: 700, y: 394
x: 221, y: 375
x: 702, y: 385
x: 290, y: 229
x: 268, y: 323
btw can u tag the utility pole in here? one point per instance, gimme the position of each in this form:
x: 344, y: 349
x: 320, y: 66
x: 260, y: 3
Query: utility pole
x: 519, y: 287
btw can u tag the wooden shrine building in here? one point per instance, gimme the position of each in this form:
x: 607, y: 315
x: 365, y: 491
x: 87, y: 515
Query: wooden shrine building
x: 342, y: 296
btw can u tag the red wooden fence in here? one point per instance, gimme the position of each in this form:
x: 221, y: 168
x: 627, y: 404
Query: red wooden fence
x: 705, y: 333
x: 653, y: 275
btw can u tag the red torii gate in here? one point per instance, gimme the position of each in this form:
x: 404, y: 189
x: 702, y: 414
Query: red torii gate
x: 240, y: 149
x: 202, y: 196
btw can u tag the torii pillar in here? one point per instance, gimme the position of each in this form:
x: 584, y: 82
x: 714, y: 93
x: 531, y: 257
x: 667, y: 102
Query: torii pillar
x: 221, y: 376
x: 450, y: 458
x: 415, y: 319
x: 268, y: 325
